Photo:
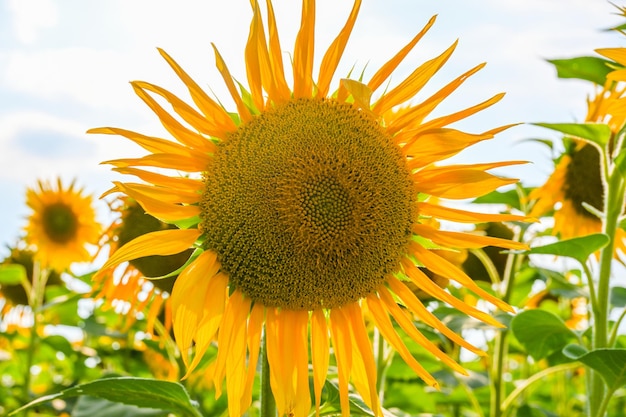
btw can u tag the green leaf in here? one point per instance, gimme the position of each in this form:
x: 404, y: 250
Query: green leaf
x: 530, y: 411
x: 332, y: 405
x: 587, y: 68
x: 609, y: 363
x: 618, y: 296
x: 12, y: 274
x: 540, y: 332
x: 579, y: 248
x: 597, y: 133
x: 140, y: 392
x: 97, y: 407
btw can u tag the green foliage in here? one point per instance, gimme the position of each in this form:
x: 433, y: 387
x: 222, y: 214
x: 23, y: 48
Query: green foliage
x: 139, y: 392
x: 595, y: 133
x: 609, y: 363
x: 540, y: 332
x: 618, y: 296
x: 12, y: 274
x: 579, y: 248
x: 87, y: 406
x: 587, y: 68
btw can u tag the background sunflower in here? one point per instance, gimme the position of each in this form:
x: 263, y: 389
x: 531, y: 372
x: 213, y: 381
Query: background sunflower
x: 61, y: 225
x: 575, y: 188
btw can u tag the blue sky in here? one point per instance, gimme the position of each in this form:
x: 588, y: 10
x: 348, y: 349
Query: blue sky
x: 65, y: 67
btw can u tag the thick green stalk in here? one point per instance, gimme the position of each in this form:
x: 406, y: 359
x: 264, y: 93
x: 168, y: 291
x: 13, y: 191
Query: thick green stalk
x: 497, y: 385
x: 500, y: 341
x: 613, y: 208
x: 35, y: 301
x: 268, y: 404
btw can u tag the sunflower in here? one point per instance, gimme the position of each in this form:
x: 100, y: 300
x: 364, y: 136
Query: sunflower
x: 576, y: 181
x: 308, y: 209
x: 62, y: 224
x: 127, y: 290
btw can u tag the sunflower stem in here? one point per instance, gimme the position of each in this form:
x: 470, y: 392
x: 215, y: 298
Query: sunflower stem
x: 35, y: 301
x: 383, y: 360
x: 268, y: 404
x: 614, y: 203
x: 500, y: 343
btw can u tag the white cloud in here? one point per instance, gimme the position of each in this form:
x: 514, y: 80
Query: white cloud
x: 86, y: 76
x: 20, y: 164
x: 30, y: 17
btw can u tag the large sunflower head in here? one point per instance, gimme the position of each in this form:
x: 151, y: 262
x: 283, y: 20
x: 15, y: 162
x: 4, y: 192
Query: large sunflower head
x: 308, y: 207
x: 576, y: 182
x: 61, y: 225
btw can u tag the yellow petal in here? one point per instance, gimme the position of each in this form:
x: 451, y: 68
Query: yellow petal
x: 616, y: 54
x: 176, y: 129
x: 212, y: 313
x: 164, y: 211
x: 423, y: 282
x: 189, y: 297
x: 441, y: 266
x: 409, y: 328
x: 360, y: 92
x: 265, y: 70
x: 187, y: 185
x: 463, y: 216
x: 188, y: 114
x: 320, y: 350
x: 459, y: 183
x: 211, y: 110
x: 385, y: 71
x: 242, y: 109
x: 364, y: 367
x: 381, y: 319
x: 460, y: 115
x: 165, y: 160
x: 163, y: 242
x: 409, y: 87
x: 255, y: 327
x: 231, y: 342
x: 415, y: 305
x: 235, y: 351
x: 340, y: 332
x: 253, y: 56
x: 415, y: 115
x: 437, y: 144
x: 279, y: 361
x: 299, y: 343
x: 287, y: 351
x: 163, y: 194
x: 303, y: 52
x: 276, y: 57
x: 149, y: 143
x: 464, y: 240
x: 334, y: 52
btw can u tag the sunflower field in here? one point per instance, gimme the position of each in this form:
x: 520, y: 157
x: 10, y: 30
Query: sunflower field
x: 315, y: 249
